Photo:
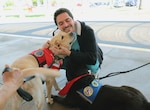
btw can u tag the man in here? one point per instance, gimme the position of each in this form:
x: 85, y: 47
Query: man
x: 85, y: 51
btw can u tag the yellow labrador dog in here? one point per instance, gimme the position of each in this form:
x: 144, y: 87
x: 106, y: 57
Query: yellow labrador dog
x: 33, y: 86
x: 38, y: 59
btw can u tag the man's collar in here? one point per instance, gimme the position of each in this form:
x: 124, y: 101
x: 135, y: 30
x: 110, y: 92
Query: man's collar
x: 78, y: 27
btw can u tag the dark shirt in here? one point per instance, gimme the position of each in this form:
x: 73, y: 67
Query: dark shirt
x: 88, y: 55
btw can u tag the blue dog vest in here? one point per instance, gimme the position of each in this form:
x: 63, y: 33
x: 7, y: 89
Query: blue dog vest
x: 90, y: 92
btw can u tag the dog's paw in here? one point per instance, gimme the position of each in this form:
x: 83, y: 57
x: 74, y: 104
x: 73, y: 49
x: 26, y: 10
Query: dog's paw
x: 49, y: 100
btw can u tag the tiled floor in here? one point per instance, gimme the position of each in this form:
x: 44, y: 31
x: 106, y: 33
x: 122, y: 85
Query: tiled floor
x: 116, y: 58
x: 30, y: 106
x: 13, y: 47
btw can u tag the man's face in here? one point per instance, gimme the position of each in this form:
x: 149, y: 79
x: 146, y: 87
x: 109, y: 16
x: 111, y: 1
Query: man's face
x: 65, y: 23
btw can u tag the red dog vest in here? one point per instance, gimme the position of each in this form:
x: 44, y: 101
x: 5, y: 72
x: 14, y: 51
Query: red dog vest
x: 45, y: 56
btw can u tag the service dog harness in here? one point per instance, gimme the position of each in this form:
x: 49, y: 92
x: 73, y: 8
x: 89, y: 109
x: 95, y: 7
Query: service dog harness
x: 46, y: 56
x: 89, y: 92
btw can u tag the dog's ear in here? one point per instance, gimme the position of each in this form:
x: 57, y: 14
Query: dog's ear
x: 49, y: 43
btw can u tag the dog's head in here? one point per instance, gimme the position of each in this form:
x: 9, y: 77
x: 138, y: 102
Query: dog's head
x: 62, y: 39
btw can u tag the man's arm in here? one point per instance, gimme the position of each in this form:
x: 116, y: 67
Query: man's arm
x: 12, y: 81
x: 6, y: 91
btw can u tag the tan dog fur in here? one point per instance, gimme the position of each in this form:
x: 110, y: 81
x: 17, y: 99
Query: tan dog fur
x: 40, y: 74
x: 34, y: 86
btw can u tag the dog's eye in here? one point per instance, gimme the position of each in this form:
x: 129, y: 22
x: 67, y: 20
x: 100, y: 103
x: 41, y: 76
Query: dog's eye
x: 62, y: 37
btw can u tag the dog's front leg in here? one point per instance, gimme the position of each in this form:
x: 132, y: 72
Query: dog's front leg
x: 49, y: 84
x: 56, y: 85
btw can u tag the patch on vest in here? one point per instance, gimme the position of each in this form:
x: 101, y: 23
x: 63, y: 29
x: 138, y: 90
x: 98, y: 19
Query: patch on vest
x: 39, y: 53
x: 90, y: 92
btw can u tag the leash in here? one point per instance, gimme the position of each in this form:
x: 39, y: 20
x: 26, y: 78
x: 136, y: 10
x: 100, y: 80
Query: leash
x: 122, y: 72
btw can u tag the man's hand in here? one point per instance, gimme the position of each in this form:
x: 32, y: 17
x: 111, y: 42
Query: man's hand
x: 13, y: 79
x: 46, y: 45
x: 61, y: 51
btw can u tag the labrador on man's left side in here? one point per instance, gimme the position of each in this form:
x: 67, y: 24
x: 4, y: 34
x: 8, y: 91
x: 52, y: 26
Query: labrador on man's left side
x: 33, y: 60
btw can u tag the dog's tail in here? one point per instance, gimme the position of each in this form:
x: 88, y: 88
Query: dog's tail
x: 43, y: 73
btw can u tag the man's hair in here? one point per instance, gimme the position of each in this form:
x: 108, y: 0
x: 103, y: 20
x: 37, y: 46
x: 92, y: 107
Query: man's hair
x: 60, y: 11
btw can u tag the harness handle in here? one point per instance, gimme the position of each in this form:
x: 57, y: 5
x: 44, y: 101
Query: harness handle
x: 122, y: 72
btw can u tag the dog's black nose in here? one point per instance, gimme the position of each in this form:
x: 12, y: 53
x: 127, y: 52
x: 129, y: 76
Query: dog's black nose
x: 6, y: 69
